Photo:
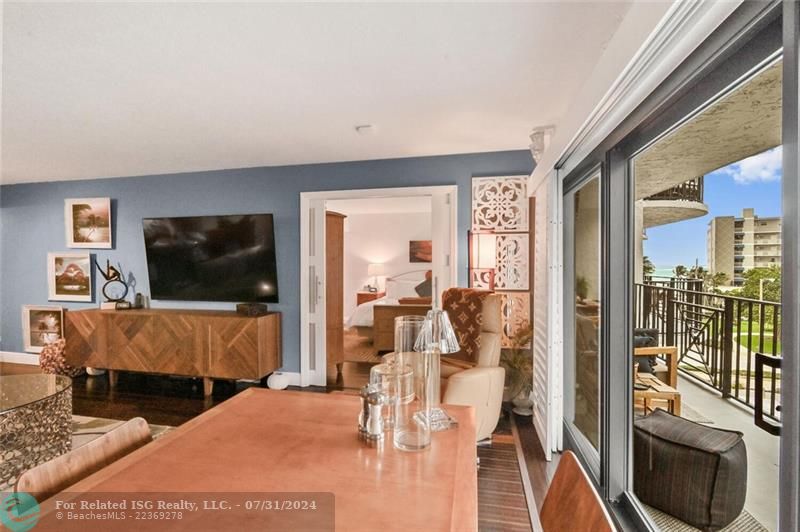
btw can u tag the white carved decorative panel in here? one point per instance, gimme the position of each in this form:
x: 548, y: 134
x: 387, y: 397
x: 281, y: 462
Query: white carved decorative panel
x: 512, y: 262
x: 481, y: 279
x: 500, y: 204
x: 516, y: 309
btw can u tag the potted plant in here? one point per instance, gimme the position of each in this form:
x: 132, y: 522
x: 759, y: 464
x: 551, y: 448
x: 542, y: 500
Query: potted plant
x: 581, y: 288
x: 518, y: 363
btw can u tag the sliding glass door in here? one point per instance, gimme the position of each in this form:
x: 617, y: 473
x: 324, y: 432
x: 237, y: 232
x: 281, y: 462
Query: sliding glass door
x: 582, y: 297
x: 645, y: 335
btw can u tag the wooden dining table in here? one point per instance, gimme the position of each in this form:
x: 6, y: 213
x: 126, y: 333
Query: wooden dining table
x: 274, y: 445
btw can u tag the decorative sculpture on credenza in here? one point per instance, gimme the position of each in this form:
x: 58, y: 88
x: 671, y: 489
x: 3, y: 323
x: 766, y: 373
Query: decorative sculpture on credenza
x: 115, y: 288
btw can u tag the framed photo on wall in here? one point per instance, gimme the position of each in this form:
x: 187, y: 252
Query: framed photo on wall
x: 420, y: 251
x: 41, y: 325
x: 69, y: 276
x: 88, y: 222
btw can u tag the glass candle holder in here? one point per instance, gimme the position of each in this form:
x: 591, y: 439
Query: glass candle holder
x: 438, y: 338
x: 412, y: 429
x: 397, y: 384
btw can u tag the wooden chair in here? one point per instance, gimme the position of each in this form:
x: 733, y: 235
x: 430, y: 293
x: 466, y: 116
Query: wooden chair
x: 571, y: 503
x: 670, y: 371
x: 54, y: 476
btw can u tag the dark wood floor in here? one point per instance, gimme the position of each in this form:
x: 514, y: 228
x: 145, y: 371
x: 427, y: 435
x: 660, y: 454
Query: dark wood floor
x: 161, y: 400
x: 540, y: 471
x: 353, y: 376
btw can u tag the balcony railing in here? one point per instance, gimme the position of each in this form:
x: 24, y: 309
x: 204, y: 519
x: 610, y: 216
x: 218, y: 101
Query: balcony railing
x: 683, y: 283
x: 688, y: 191
x: 718, y: 337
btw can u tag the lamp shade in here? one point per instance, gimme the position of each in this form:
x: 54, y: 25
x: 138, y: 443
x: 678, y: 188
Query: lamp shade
x: 375, y: 269
x: 484, y: 251
x: 437, y: 333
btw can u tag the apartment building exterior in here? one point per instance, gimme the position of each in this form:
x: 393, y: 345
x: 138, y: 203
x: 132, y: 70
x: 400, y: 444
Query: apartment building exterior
x: 737, y: 244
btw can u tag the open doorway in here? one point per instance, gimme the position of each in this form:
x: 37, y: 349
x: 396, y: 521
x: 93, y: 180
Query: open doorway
x: 367, y: 257
x: 378, y: 266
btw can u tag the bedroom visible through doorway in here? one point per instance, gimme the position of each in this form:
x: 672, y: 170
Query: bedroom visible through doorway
x: 372, y: 255
x: 378, y: 260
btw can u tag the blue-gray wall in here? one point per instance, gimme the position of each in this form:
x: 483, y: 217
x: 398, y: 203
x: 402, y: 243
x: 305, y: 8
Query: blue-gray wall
x: 32, y: 221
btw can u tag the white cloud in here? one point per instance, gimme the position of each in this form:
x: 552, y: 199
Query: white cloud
x: 764, y: 167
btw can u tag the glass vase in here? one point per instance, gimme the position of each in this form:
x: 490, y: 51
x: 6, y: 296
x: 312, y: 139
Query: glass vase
x: 395, y: 381
x: 412, y: 429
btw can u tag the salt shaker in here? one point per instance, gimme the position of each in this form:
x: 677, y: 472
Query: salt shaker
x: 370, y: 420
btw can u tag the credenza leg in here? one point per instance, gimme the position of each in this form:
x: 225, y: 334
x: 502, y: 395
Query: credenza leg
x: 112, y: 378
x: 208, y: 386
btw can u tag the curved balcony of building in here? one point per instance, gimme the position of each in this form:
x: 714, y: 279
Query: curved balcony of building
x: 675, y: 204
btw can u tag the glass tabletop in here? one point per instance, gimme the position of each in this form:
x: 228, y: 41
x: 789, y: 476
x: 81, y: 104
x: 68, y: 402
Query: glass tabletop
x: 19, y: 390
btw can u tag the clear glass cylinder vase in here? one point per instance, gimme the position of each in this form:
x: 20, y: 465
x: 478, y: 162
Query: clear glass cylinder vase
x: 396, y: 382
x: 412, y: 429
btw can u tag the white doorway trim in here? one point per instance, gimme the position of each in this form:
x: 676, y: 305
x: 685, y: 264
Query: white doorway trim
x: 313, y: 358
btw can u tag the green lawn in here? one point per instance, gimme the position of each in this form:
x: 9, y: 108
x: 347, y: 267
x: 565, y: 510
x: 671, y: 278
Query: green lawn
x: 755, y: 339
x: 755, y: 343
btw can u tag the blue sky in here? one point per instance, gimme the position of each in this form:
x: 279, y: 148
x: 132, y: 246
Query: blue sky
x: 754, y: 182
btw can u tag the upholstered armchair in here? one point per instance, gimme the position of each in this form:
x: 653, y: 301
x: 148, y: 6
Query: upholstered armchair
x: 479, y: 383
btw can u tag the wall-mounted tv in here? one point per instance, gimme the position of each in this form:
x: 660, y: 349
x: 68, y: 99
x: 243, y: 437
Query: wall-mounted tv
x: 212, y: 258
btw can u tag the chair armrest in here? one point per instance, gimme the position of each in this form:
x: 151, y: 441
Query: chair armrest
x: 671, y: 353
x: 658, y: 350
x: 482, y: 389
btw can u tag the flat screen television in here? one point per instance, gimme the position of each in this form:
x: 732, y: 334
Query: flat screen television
x: 212, y: 258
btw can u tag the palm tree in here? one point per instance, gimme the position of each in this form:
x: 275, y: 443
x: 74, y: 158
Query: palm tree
x: 719, y: 279
x: 698, y: 272
x: 680, y: 270
x: 648, y: 267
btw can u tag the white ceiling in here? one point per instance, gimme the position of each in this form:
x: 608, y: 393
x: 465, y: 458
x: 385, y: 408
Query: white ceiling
x: 394, y: 205
x: 104, y: 90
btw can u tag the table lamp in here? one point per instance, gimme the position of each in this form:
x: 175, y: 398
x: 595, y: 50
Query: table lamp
x: 374, y: 270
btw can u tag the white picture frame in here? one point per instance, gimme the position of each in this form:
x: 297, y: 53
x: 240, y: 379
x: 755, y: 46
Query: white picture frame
x: 69, y: 277
x: 87, y: 223
x: 41, y: 325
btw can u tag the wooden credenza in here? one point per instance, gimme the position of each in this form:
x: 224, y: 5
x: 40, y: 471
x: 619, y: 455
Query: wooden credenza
x: 193, y: 343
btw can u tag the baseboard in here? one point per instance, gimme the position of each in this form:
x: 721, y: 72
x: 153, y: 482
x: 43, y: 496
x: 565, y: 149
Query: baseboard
x: 294, y: 377
x: 30, y: 359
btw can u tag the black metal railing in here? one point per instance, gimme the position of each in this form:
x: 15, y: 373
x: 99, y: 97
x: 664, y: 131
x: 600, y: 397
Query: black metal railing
x: 688, y: 191
x: 718, y: 337
x: 682, y: 283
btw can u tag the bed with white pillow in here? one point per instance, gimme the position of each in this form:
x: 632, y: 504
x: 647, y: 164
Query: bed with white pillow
x: 363, y: 318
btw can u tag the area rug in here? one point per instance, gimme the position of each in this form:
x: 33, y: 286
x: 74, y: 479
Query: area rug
x: 502, y: 505
x: 359, y: 348
x: 744, y: 523
x: 86, y: 429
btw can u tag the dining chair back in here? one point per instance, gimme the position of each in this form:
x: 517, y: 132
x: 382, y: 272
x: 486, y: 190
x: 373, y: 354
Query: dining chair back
x: 54, y: 476
x: 571, y: 502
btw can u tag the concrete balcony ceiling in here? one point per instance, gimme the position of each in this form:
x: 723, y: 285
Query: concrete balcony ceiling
x: 662, y: 212
x: 743, y: 123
